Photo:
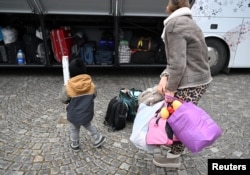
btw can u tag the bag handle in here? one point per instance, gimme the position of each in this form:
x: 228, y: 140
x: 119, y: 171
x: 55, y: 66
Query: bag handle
x: 134, y: 92
x: 171, y: 99
x: 157, y: 121
x: 158, y: 111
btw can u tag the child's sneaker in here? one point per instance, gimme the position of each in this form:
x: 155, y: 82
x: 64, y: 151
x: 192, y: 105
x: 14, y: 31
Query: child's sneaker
x: 75, y: 146
x: 99, y: 141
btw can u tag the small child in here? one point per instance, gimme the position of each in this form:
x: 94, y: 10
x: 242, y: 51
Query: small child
x: 79, y: 94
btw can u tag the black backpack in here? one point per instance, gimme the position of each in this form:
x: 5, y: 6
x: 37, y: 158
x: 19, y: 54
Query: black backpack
x: 116, y: 114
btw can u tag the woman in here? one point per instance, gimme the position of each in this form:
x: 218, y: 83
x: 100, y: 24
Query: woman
x: 187, y: 74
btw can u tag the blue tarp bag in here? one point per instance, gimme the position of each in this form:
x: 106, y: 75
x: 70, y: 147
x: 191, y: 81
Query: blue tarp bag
x: 87, y: 54
x: 1, y: 34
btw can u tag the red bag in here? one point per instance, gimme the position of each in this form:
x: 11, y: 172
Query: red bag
x: 61, y: 41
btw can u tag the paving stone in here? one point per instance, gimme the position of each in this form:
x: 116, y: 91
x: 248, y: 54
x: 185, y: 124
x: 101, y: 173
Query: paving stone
x: 34, y: 133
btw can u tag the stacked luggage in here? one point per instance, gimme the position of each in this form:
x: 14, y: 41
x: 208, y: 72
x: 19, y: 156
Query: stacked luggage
x: 12, y: 40
x: 64, y: 41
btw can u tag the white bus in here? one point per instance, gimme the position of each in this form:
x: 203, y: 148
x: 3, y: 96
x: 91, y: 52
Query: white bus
x: 226, y: 26
x: 225, y: 23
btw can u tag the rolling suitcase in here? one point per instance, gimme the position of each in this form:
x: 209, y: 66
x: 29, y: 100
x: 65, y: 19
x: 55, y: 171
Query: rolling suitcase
x: 61, y: 41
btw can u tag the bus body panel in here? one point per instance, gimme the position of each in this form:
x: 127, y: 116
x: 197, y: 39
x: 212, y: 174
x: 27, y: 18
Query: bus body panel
x: 143, y: 8
x: 218, y: 25
x: 243, y: 48
x: 229, y: 21
x: 17, y: 6
x: 84, y: 7
x: 228, y: 30
x: 221, y: 8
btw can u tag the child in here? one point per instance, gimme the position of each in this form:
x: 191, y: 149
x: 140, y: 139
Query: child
x: 79, y: 94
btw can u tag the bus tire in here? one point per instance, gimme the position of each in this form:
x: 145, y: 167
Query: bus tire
x: 217, y: 55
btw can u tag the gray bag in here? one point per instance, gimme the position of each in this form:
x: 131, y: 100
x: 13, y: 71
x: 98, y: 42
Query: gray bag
x: 150, y: 96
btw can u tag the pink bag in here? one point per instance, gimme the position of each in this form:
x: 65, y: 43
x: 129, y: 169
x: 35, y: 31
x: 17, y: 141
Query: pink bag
x: 140, y: 126
x: 194, y: 127
x: 159, y: 132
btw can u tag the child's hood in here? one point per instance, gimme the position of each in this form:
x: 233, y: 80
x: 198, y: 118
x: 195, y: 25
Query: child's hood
x: 80, y: 85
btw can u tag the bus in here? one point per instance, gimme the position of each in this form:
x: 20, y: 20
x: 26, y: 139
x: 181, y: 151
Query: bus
x: 225, y: 24
x: 226, y: 27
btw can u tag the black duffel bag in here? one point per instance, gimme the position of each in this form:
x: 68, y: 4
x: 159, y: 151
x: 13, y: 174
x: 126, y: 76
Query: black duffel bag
x: 144, y: 43
x: 143, y: 57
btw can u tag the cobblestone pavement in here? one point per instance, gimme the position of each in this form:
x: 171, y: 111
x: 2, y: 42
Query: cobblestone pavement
x: 34, y: 137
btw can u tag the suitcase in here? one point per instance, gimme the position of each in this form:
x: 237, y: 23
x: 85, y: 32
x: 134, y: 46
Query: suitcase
x: 61, y: 41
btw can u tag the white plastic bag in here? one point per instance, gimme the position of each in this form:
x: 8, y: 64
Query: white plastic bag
x: 9, y: 35
x: 140, y: 127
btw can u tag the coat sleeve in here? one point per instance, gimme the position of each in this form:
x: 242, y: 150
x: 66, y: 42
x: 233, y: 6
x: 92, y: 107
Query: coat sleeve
x: 176, y: 57
x: 63, y: 96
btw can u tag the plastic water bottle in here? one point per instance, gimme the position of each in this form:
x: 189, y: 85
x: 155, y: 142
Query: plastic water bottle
x: 20, y: 57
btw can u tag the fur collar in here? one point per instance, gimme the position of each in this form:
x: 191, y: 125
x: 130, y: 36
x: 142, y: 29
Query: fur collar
x: 179, y: 12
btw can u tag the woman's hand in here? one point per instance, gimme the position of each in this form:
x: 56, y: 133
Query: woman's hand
x: 161, y: 88
x: 169, y: 93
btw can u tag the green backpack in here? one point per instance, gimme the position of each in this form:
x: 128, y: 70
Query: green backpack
x: 130, y: 98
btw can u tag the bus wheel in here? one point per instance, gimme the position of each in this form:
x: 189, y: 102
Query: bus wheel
x: 217, y: 55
